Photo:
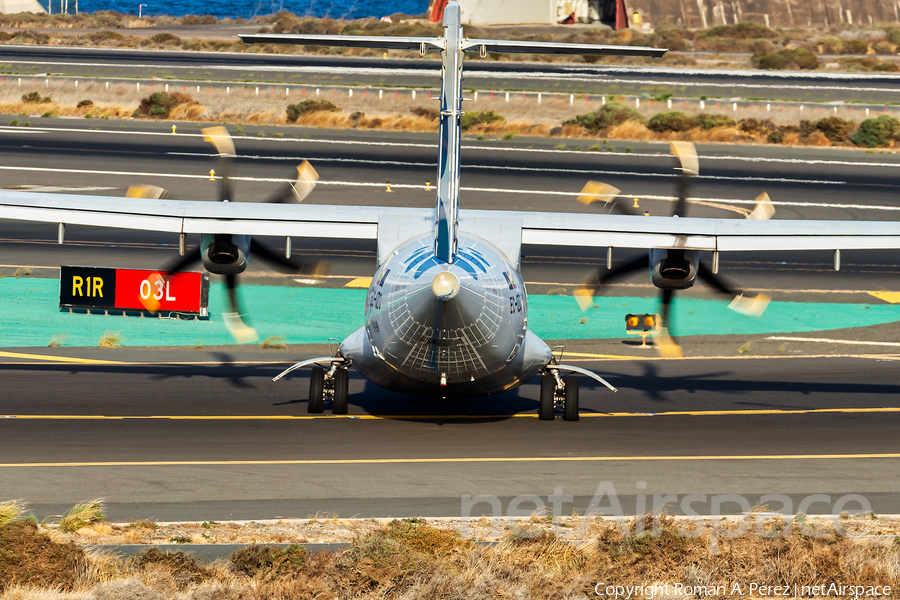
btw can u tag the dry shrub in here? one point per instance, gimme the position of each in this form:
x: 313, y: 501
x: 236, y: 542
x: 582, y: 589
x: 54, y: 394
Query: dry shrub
x: 266, y: 116
x: 183, y: 568
x: 817, y: 138
x: 188, y: 111
x: 132, y: 589
x: 28, y: 557
x: 631, y: 130
x: 269, y: 562
x: 790, y: 139
x: 295, y: 111
x: 428, y: 113
x: 393, y: 559
x: 161, y: 104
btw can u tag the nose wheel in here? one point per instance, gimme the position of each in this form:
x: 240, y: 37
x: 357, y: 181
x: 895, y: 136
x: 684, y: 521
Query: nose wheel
x: 556, y: 391
x: 335, y: 384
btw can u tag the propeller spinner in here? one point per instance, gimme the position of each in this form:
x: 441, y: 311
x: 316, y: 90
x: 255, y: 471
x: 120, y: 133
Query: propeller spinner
x: 227, y: 254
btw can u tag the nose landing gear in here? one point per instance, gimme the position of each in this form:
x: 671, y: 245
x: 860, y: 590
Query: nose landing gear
x: 334, y: 383
x: 557, y: 391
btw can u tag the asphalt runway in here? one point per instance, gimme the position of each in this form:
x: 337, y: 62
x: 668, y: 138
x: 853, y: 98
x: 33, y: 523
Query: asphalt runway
x: 128, y: 64
x: 213, y: 438
x: 208, y: 436
x: 523, y: 174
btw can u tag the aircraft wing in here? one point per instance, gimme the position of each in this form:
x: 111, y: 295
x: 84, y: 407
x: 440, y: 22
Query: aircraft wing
x: 722, y: 235
x: 390, y: 225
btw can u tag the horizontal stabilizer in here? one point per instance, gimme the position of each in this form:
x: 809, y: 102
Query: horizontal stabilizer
x: 529, y: 47
x: 424, y: 44
x: 346, y: 41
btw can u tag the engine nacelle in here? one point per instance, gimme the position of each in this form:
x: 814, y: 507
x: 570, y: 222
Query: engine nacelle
x: 674, y: 269
x: 225, y: 254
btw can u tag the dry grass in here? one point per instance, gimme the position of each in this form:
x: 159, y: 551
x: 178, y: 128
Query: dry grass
x: 276, y: 342
x: 10, y: 510
x: 111, y: 339
x: 57, y: 340
x: 84, y: 514
x: 413, y: 559
x: 365, y: 110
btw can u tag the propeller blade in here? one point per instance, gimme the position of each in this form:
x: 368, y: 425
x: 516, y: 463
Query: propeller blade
x: 300, y: 189
x: 718, y: 283
x: 665, y: 343
x: 221, y: 140
x: 750, y: 307
x: 306, y: 266
x: 240, y: 331
x: 596, y: 191
x: 173, y: 268
x: 584, y: 294
x: 145, y: 191
x: 690, y: 166
x: 764, y: 208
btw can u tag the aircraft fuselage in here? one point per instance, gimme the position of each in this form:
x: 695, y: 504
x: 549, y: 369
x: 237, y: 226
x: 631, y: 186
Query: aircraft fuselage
x: 422, y: 338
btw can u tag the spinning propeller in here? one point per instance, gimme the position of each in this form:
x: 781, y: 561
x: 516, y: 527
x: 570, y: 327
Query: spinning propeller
x: 670, y: 269
x: 227, y: 254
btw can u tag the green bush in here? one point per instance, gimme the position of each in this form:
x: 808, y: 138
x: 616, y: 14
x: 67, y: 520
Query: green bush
x: 708, y: 121
x: 782, y: 59
x: 762, y: 46
x: 880, y: 131
x: 855, y: 47
x: 610, y: 115
x: 670, y: 121
x: 165, y: 36
x: 745, y: 30
x: 471, y: 119
x: 835, y: 129
x: 893, y: 35
x: 832, y: 45
x: 35, y: 98
x: 295, y: 111
x: 885, y: 48
x: 160, y: 104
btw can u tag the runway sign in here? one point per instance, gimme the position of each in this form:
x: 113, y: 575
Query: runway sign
x: 123, y: 289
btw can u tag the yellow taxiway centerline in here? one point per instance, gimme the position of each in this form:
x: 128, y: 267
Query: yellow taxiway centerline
x: 510, y: 459
x: 677, y: 413
x: 65, y: 359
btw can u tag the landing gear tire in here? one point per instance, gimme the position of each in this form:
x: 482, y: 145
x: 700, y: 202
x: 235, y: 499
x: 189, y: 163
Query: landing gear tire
x: 341, y: 391
x: 316, y: 390
x: 548, y: 390
x: 571, y: 407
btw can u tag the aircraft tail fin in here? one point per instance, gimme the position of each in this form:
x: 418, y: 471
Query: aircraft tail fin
x: 453, y: 46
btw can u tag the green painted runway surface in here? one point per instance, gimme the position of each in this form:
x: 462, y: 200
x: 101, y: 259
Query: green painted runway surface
x: 30, y: 316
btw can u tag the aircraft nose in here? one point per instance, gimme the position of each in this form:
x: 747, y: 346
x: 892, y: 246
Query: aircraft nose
x: 445, y: 285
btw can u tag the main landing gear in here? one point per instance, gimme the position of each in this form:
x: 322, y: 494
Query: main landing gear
x: 334, y: 383
x: 556, y: 390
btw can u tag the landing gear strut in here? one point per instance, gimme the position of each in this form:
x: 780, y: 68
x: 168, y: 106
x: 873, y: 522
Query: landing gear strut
x: 558, y: 391
x: 334, y: 383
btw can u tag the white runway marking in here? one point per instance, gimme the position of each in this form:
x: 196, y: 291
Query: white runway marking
x: 433, y: 165
x: 474, y: 73
x: 380, y: 184
x: 654, y: 155
x: 830, y: 341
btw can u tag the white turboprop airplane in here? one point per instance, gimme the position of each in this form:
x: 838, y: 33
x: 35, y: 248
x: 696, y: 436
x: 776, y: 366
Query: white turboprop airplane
x: 446, y: 312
